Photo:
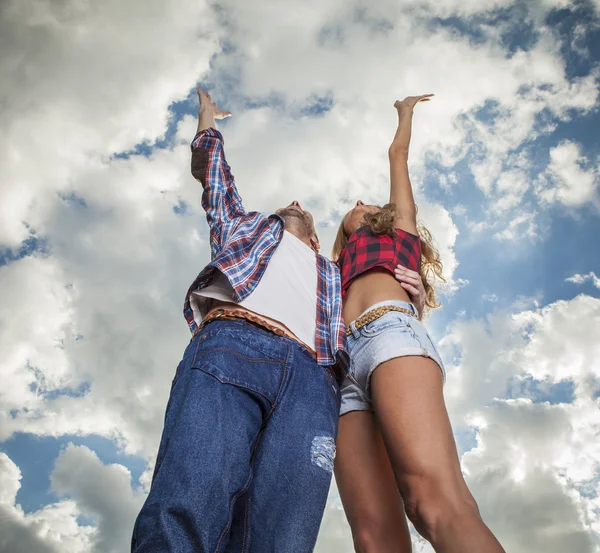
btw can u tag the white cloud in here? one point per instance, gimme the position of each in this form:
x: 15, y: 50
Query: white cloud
x: 39, y: 312
x: 581, y: 279
x: 354, y: 70
x: 512, y: 186
x: 82, y: 82
x: 89, y: 313
x: 53, y: 529
x: 523, y: 224
x: 518, y: 474
x: 101, y: 491
x: 534, y: 469
x: 119, y: 267
x: 569, y: 179
x: 575, y: 354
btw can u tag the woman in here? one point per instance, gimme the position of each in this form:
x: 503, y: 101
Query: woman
x: 395, y: 449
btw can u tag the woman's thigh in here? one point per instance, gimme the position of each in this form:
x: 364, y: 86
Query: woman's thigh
x: 407, y: 396
x: 367, y: 487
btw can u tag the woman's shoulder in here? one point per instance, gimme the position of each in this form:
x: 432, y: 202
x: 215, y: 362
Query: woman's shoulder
x: 402, y: 233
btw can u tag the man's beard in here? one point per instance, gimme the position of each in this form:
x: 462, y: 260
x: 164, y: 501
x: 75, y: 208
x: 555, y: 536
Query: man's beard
x: 298, y: 221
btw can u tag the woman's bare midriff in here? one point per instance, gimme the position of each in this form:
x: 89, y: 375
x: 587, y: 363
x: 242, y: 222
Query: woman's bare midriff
x: 370, y: 288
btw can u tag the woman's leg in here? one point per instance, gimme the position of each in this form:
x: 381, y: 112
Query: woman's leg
x: 367, y: 487
x: 409, y: 404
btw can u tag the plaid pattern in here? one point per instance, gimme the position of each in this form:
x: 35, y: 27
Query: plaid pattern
x: 242, y: 244
x: 366, y: 250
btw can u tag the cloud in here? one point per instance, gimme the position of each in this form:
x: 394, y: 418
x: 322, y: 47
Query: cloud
x: 53, y: 529
x: 573, y: 356
x: 33, y: 360
x: 581, y: 279
x: 512, y: 102
x: 101, y: 491
x: 535, y: 466
x: 87, y: 314
x: 570, y: 179
x: 82, y: 83
x: 524, y: 224
x: 519, y: 476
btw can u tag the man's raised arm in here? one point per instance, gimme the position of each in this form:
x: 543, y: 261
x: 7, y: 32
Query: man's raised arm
x: 220, y: 198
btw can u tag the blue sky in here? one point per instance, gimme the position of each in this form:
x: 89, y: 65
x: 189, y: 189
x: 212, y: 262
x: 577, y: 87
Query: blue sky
x: 102, y: 232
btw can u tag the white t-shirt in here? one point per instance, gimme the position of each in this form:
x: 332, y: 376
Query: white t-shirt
x: 287, y: 291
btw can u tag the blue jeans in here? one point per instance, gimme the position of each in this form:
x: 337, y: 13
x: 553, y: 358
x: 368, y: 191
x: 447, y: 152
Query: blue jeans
x: 246, y: 456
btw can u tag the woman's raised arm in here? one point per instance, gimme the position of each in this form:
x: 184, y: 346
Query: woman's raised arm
x: 400, y: 188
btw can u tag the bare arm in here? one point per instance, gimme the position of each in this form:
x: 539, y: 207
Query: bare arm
x: 400, y: 187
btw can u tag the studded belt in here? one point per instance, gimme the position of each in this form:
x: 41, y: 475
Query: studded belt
x: 375, y: 314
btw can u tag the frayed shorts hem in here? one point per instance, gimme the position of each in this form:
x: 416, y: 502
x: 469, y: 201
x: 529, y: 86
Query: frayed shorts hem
x: 354, y: 399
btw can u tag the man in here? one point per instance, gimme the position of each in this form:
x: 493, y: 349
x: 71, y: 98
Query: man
x: 246, y: 456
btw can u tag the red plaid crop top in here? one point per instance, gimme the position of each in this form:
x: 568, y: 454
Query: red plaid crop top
x: 366, y: 250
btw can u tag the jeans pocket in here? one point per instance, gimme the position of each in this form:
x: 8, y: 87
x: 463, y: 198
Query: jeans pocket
x: 236, y: 358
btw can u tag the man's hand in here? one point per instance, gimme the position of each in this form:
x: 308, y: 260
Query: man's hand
x: 411, y: 281
x: 210, y: 108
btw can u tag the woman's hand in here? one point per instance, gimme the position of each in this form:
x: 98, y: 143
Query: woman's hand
x: 411, y: 281
x: 411, y: 101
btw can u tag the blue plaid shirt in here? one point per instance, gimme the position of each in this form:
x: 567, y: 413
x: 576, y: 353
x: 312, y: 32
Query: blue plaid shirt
x: 242, y: 244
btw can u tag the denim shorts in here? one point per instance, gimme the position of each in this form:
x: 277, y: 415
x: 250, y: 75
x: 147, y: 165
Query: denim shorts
x: 395, y: 334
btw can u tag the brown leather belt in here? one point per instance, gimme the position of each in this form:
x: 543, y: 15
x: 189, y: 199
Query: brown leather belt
x: 375, y: 314
x: 233, y: 314
x: 224, y: 314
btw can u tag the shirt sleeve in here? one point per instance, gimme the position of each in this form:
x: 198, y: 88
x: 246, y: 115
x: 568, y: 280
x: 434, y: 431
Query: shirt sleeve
x: 220, y: 198
x: 337, y: 317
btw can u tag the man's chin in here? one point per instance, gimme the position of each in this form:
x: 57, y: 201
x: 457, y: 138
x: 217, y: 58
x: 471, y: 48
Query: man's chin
x: 289, y: 212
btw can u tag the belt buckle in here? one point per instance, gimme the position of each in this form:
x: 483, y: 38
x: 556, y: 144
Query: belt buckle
x: 214, y: 315
x: 217, y: 313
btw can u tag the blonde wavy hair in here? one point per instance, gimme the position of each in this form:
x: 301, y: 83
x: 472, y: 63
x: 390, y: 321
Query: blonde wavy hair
x: 382, y: 223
